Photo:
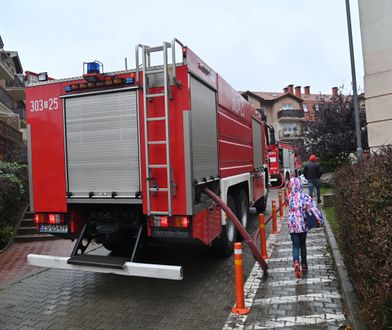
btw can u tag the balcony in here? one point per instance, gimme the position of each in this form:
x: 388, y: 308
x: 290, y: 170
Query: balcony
x: 7, y: 70
x: 291, y: 114
x: 15, y: 88
x: 290, y: 135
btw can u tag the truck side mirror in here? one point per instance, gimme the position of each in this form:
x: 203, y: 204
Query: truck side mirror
x: 272, y: 140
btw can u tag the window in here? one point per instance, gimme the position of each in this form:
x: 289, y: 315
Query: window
x: 317, y: 107
x: 305, y: 107
x: 287, y: 106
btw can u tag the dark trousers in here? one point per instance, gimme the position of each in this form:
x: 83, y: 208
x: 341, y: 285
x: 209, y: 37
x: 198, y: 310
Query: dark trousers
x: 299, y: 244
x: 314, y: 183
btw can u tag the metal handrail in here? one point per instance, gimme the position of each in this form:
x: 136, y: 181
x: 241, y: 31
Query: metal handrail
x: 173, y: 46
x: 137, y: 61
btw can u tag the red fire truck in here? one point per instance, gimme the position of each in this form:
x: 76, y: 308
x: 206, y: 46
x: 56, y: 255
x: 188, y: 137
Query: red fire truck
x: 125, y: 156
x: 284, y: 163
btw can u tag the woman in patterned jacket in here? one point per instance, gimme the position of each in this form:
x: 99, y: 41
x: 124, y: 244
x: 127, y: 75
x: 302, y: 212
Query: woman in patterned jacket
x: 299, y: 203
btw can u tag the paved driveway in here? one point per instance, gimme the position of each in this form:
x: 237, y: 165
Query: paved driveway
x: 59, y: 299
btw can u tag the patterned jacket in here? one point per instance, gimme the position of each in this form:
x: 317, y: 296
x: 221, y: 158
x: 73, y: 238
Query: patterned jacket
x: 299, y: 203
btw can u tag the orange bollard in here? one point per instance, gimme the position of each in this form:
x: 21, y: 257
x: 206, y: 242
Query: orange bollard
x: 239, y: 307
x: 280, y: 206
x: 263, y: 238
x: 274, y: 222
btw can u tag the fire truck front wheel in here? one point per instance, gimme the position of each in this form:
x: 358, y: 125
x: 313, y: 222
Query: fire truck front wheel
x: 225, y: 243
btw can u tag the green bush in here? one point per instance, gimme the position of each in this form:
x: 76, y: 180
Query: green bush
x: 6, y: 233
x: 13, y: 197
x: 364, y: 211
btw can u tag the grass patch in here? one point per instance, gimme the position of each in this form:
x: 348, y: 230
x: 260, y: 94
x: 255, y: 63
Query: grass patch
x: 330, y: 212
x: 325, y: 190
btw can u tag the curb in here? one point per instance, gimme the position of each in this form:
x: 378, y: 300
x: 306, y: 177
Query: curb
x: 348, y: 294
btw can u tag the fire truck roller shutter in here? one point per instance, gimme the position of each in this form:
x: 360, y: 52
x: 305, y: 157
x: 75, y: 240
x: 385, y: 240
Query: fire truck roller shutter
x: 204, y: 131
x: 257, y: 146
x: 102, y: 144
x: 286, y: 158
x: 292, y: 161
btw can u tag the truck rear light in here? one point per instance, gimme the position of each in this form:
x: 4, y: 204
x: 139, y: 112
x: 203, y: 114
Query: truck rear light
x: 50, y: 218
x: 164, y: 222
x: 172, y: 222
x: 184, y: 222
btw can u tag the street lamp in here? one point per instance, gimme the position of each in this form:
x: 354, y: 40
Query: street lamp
x: 354, y: 83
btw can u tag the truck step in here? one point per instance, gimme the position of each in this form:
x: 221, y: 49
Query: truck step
x: 98, y: 261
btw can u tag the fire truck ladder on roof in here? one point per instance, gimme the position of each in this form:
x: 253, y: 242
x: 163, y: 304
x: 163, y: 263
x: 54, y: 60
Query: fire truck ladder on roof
x: 147, y: 71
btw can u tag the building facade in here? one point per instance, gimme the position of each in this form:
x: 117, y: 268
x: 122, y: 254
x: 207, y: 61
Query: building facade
x: 287, y: 111
x: 12, y: 100
x: 376, y: 27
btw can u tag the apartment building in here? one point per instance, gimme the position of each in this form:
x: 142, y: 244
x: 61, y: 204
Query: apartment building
x: 287, y: 111
x: 12, y: 100
x: 376, y: 26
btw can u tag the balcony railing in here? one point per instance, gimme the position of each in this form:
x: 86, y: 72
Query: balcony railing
x: 6, y: 63
x: 290, y: 134
x: 14, y: 83
x: 6, y: 99
x: 291, y: 114
x: 21, y: 111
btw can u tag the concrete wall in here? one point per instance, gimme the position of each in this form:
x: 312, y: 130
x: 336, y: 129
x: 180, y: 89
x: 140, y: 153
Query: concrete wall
x: 376, y: 32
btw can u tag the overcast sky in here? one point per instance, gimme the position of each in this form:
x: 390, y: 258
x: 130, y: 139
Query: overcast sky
x: 258, y: 45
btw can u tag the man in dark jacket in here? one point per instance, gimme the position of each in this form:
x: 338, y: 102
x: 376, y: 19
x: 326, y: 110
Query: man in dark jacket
x: 312, y: 173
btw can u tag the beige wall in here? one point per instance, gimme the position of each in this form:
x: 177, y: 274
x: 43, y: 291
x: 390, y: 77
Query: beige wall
x: 376, y: 27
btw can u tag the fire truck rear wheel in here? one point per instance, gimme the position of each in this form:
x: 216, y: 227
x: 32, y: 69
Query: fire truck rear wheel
x: 261, y: 204
x: 225, y: 242
x: 242, y: 206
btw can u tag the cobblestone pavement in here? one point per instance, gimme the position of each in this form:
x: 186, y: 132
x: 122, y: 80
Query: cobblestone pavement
x: 64, y: 299
x: 14, y: 263
x: 281, y: 301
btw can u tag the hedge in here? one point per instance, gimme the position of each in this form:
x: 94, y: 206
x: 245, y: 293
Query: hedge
x: 13, y: 197
x: 363, y: 193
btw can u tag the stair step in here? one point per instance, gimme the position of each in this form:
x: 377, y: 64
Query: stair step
x: 98, y: 261
x: 155, y: 118
x: 154, y: 49
x: 29, y: 215
x: 27, y: 230
x: 27, y: 223
x: 34, y: 237
x: 155, y: 95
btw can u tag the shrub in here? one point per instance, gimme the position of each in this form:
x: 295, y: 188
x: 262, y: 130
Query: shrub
x: 13, y: 197
x: 6, y: 233
x: 364, y: 212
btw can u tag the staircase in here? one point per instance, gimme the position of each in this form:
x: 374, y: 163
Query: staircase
x: 27, y: 230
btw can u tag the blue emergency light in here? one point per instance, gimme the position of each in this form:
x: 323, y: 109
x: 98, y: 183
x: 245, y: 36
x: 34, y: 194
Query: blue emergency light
x: 95, y: 67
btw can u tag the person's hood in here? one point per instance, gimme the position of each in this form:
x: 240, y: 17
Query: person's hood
x: 296, y: 185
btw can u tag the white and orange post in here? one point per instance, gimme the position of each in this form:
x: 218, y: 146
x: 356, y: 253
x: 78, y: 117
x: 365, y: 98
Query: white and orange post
x: 263, y: 237
x: 239, y: 307
x: 274, y: 218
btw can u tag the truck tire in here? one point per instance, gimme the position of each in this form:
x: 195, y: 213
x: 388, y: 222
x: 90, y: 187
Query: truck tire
x: 242, y: 207
x: 261, y: 204
x: 225, y: 243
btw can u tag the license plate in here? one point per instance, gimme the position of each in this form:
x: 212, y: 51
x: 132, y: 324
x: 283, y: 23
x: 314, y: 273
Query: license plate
x: 170, y: 232
x: 53, y: 229
x: 274, y: 180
